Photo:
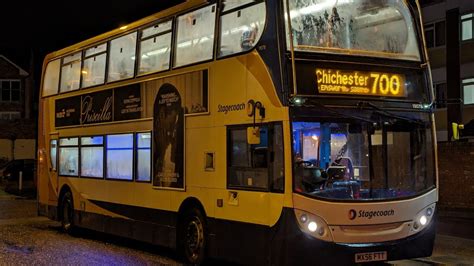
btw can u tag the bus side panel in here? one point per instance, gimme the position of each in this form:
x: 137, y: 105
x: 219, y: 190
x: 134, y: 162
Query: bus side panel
x: 239, y: 242
x: 144, y: 224
x: 46, y: 190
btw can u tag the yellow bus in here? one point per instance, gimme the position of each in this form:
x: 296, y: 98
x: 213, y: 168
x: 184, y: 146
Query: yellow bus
x: 261, y: 132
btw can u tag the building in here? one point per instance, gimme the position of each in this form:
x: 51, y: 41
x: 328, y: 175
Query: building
x: 449, y: 33
x: 18, y: 126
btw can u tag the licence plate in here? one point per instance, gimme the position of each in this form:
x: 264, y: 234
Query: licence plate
x: 371, y: 256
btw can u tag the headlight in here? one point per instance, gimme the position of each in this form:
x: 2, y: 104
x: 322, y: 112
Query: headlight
x: 423, y: 218
x: 313, y: 225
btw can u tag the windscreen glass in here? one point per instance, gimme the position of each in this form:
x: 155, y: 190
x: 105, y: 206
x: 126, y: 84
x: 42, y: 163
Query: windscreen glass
x: 377, y: 157
x: 381, y: 28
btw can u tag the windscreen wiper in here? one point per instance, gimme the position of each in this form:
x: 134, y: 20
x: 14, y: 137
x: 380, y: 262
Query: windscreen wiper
x: 365, y: 104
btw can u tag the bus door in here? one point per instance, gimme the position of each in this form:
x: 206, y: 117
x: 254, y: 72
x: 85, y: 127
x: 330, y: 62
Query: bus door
x: 52, y: 179
x: 255, y: 181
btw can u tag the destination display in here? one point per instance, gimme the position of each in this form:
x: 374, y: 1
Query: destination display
x: 334, y: 81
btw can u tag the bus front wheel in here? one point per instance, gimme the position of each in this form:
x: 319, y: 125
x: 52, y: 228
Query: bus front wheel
x: 193, y: 236
x: 67, y: 213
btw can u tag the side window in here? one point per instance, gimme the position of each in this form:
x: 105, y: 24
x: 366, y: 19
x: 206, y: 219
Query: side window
x: 155, y: 48
x: 93, y: 70
x: 53, y: 152
x: 120, y: 157
x: 70, y: 72
x: 15, y: 90
x: 195, y: 40
x: 69, y: 156
x: 241, y: 29
x: 467, y: 29
x: 92, y: 157
x: 122, y: 57
x: 143, y: 157
x: 255, y: 166
x: 51, y: 78
x: 468, y: 90
x: 231, y: 4
x: 429, y: 35
x: 435, y: 34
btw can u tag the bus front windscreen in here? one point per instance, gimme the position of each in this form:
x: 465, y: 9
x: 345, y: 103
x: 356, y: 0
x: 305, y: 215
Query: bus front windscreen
x: 382, y: 28
x: 375, y: 158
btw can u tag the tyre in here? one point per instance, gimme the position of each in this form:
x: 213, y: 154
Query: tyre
x: 67, y: 213
x: 192, y: 236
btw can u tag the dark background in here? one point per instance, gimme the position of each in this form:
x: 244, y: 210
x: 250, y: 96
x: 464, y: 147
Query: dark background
x: 30, y: 30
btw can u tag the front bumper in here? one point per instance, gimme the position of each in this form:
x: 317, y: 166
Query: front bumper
x: 294, y: 247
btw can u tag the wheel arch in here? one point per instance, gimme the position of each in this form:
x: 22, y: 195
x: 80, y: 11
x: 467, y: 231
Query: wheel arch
x: 190, y: 203
x: 64, y: 190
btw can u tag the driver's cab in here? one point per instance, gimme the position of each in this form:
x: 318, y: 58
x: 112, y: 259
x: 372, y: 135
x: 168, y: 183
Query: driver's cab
x: 324, y: 160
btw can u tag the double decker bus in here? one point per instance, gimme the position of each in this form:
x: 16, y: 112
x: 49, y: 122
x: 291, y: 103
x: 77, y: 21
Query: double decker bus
x: 262, y: 132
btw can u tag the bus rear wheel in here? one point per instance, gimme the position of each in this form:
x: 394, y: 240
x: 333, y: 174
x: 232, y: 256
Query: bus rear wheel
x: 193, y: 236
x: 67, y: 213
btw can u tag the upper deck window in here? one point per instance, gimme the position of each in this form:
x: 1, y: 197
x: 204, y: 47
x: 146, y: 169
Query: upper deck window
x: 51, y: 78
x: 70, y: 72
x: 195, y: 40
x: 122, y: 57
x: 93, y: 71
x: 155, y: 48
x: 359, y: 27
x: 231, y: 4
x: 241, y: 29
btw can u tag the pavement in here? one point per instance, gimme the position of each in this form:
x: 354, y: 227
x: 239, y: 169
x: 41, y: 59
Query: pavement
x: 456, y: 222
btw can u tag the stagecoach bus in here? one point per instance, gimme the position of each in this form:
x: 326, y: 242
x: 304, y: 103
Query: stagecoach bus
x: 260, y: 132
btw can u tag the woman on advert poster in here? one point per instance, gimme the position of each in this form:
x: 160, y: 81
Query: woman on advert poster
x: 168, y: 125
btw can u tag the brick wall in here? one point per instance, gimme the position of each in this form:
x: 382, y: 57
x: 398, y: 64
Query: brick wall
x: 456, y: 175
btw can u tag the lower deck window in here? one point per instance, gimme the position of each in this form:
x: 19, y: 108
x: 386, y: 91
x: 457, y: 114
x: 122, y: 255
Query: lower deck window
x: 143, y: 157
x: 92, y: 157
x: 69, y: 157
x: 120, y: 157
x: 53, y: 153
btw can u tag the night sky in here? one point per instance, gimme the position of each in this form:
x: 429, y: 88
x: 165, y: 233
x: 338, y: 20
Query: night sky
x: 40, y: 27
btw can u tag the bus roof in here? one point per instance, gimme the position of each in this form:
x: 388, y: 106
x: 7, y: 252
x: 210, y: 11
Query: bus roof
x: 134, y: 25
